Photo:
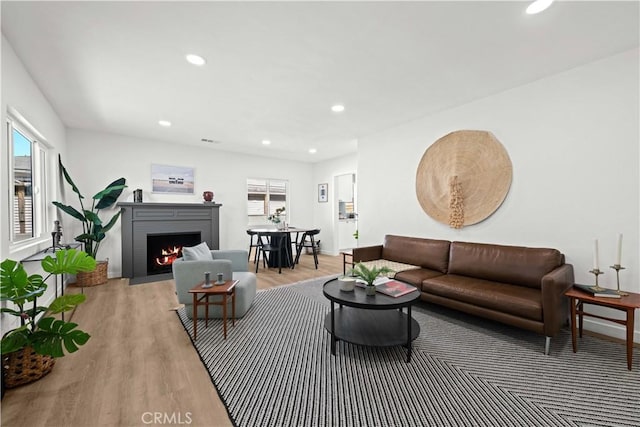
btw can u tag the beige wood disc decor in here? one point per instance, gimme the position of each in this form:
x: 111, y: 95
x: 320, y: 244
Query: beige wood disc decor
x: 463, y: 177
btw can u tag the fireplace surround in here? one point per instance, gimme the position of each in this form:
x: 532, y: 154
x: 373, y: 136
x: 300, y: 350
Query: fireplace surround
x: 140, y: 221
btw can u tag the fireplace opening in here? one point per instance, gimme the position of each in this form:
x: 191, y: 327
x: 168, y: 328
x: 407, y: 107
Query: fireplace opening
x: 163, y: 249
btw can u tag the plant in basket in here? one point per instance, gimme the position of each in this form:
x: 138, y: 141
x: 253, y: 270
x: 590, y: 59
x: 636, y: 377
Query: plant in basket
x: 28, y: 351
x: 94, y: 230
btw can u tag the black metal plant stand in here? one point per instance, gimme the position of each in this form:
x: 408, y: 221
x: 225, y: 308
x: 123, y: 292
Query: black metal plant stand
x: 56, y: 246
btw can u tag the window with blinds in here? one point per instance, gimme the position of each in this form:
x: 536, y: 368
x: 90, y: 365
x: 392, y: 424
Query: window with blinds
x: 264, y: 196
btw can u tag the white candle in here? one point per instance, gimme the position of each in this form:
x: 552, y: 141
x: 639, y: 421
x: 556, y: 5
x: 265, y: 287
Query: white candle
x: 619, y: 253
x: 595, y: 255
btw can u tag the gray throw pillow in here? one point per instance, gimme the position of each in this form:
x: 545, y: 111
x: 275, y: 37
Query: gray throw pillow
x: 199, y: 252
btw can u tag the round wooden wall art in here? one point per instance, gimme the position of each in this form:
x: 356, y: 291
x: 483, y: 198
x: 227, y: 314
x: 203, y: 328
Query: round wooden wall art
x: 463, y: 177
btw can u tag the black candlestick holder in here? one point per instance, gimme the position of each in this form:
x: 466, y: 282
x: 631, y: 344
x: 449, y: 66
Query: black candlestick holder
x: 596, y: 272
x: 617, y: 268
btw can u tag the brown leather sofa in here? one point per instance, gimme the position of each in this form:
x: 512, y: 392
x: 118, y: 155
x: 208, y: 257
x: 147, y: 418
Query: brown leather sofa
x: 519, y: 286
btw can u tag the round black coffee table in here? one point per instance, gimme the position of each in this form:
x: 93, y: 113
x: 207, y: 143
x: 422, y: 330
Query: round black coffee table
x: 370, y: 320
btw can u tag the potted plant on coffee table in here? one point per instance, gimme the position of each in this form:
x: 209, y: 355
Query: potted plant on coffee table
x: 28, y: 350
x: 94, y: 230
x: 369, y: 276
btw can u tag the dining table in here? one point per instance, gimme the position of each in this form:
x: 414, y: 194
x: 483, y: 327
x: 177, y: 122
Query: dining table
x: 268, y: 232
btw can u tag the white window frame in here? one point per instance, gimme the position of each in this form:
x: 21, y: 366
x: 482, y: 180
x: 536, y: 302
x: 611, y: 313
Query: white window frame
x: 41, y: 152
x: 269, y: 208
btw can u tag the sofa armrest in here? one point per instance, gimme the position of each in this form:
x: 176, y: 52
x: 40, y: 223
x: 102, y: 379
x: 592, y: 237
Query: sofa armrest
x: 367, y: 253
x: 238, y: 258
x: 554, y: 303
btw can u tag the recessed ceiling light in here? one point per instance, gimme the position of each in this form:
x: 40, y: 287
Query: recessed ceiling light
x: 164, y: 123
x: 538, y: 6
x: 312, y: 151
x: 266, y: 142
x: 195, y: 59
x: 337, y: 108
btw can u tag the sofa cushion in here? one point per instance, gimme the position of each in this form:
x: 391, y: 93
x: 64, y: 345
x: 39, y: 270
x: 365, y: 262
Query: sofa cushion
x: 507, y: 264
x: 396, y: 267
x: 427, y: 253
x: 416, y: 277
x: 200, y: 252
x: 517, y: 300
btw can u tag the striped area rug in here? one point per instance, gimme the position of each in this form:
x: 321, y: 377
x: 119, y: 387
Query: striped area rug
x: 276, y: 369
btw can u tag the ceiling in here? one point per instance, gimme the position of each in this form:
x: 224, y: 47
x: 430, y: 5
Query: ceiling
x: 274, y: 69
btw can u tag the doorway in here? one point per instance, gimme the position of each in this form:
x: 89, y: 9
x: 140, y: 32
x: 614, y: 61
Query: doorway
x: 345, y: 215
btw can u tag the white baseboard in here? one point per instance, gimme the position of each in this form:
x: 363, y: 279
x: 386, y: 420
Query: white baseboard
x: 609, y: 329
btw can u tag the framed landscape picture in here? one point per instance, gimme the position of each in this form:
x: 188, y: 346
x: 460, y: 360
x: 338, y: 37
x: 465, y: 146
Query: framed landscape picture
x: 323, y: 193
x: 171, y: 179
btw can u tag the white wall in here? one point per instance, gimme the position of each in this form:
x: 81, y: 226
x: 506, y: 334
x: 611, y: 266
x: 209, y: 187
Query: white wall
x: 21, y: 93
x: 96, y: 159
x: 573, y: 140
x: 325, y: 214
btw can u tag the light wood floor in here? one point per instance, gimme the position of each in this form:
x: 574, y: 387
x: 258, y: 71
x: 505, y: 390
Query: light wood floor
x: 138, y: 362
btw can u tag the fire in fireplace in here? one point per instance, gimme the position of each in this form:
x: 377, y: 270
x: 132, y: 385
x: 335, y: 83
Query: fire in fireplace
x: 163, y: 249
x: 168, y: 256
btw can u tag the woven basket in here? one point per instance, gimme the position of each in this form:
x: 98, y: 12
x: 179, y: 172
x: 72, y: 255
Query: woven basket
x: 463, y: 177
x: 25, y: 366
x: 95, y: 277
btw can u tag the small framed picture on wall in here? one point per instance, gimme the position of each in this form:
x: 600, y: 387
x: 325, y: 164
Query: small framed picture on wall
x: 323, y: 193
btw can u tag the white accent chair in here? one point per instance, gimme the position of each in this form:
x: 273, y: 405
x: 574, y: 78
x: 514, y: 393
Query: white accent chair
x: 232, y: 264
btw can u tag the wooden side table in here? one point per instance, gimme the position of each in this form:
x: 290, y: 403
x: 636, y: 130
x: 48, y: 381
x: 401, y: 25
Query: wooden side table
x: 226, y: 290
x: 628, y: 304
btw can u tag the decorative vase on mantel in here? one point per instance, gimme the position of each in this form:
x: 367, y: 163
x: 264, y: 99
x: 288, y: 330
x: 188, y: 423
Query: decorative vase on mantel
x: 370, y: 290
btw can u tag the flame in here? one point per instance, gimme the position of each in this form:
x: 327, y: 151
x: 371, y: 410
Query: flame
x: 168, y: 256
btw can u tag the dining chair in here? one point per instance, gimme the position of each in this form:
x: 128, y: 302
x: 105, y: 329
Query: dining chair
x: 308, y: 241
x: 273, y: 242
x: 252, y: 245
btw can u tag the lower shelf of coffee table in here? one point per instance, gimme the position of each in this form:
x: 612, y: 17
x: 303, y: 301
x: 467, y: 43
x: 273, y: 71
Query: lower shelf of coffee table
x: 376, y: 328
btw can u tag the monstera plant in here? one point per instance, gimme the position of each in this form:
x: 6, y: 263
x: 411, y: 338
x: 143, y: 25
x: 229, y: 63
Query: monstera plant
x: 47, y: 335
x: 94, y: 230
x: 28, y: 350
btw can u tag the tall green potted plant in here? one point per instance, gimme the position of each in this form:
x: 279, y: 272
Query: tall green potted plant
x: 28, y: 351
x: 94, y: 230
